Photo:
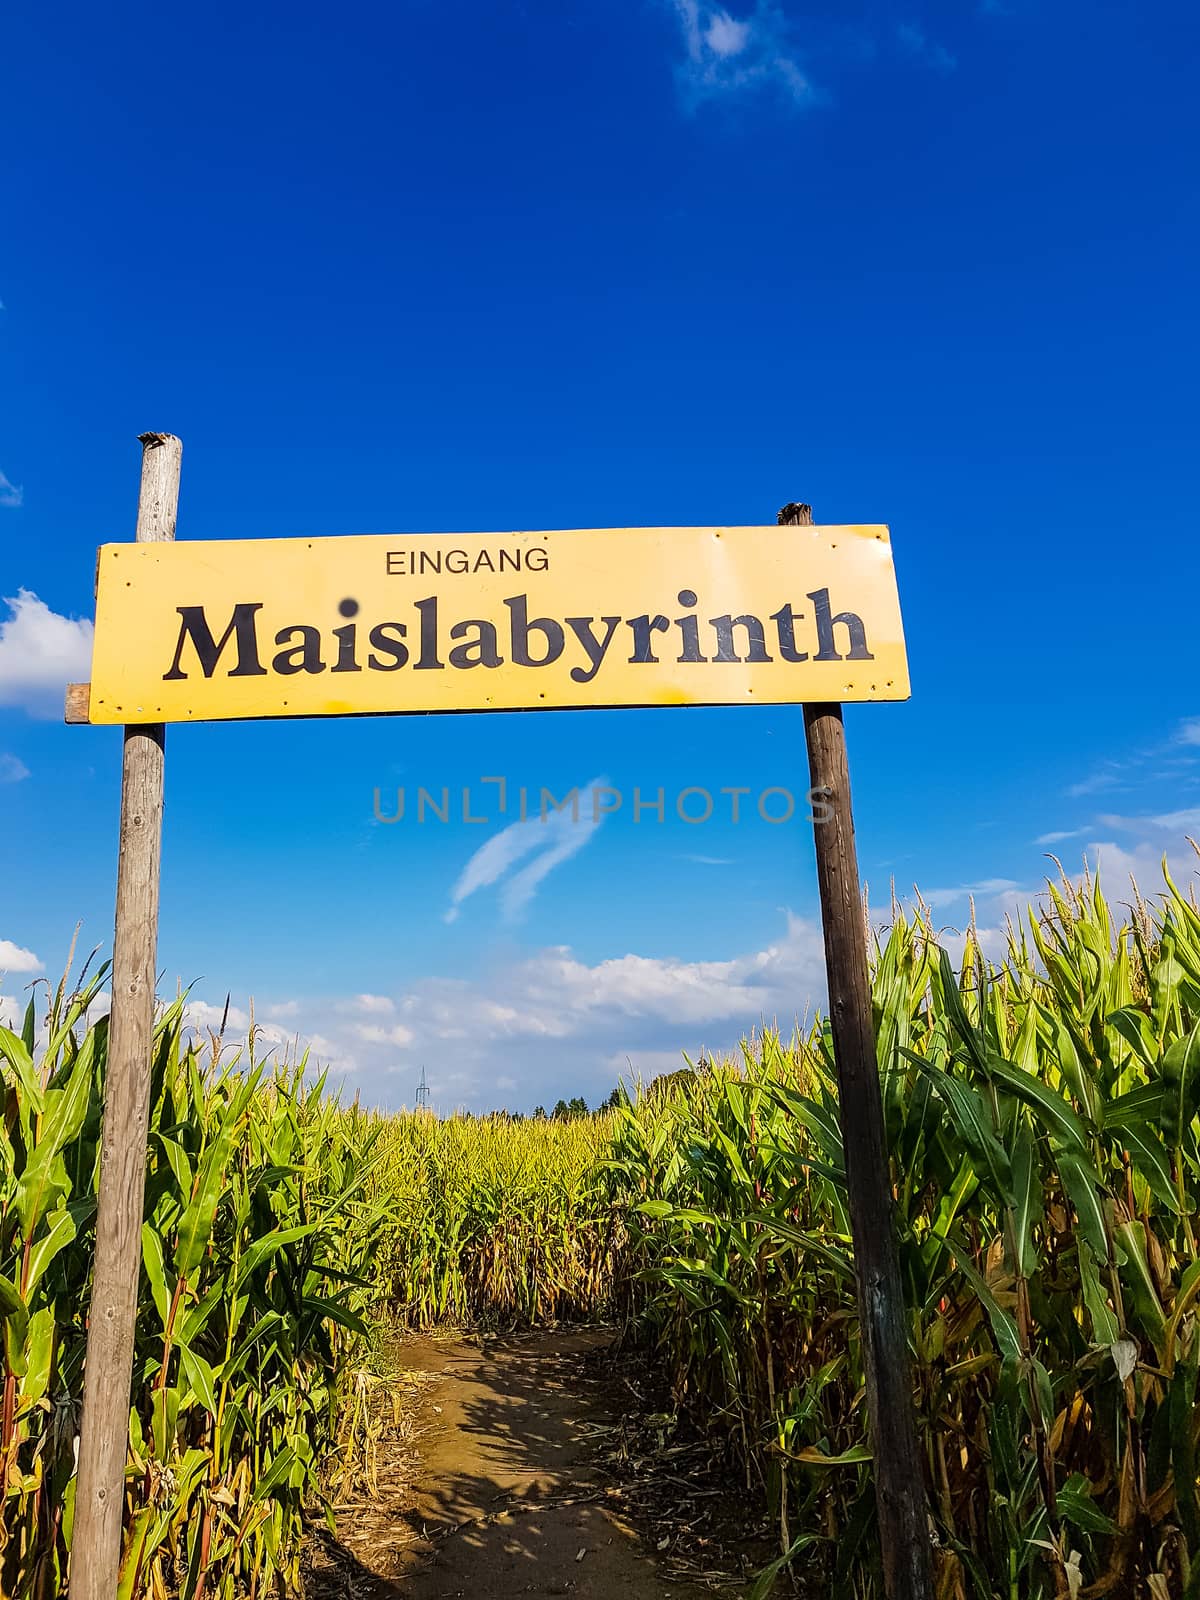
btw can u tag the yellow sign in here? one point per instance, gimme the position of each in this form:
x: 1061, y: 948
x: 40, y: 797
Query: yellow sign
x: 204, y: 631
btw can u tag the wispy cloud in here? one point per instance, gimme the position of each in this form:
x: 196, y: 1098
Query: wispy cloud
x: 12, y: 768
x: 1109, y: 776
x: 1184, y: 821
x: 544, y: 842
x: 913, y: 40
x: 11, y: 494
x: 729, y: 55
x: 1056, y: 836
x: 1177, y: 756
x: 1115, y: 845
x: 726, y: 55
x: 935, y: 899
x: 40, y: 653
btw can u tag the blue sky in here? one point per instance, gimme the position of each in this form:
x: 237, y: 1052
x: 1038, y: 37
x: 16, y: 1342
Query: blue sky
x: 533, y: 265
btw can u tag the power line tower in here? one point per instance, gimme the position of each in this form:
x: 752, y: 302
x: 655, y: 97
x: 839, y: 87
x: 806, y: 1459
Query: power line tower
x: 423, y: 1093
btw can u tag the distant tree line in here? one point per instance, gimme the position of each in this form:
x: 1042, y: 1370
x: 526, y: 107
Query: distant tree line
x: 577, y: 1106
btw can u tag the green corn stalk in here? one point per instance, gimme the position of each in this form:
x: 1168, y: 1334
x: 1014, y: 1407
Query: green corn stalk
x: 1042, y: 1119
x: 255, y: 1254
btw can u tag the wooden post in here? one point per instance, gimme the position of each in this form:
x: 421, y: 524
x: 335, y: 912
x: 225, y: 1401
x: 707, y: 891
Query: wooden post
x: 104, y: 1431
x: 899, y: 1483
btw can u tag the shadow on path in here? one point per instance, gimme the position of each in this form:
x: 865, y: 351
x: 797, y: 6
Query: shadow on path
x: 502, y: 1498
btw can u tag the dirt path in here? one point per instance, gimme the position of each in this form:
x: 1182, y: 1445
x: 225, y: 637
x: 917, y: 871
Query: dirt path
x: 499, y: 1493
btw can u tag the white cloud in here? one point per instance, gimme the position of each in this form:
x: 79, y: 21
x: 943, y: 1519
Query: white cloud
x: 1137, y: 854
x: 371, y: 1004
x: 1164, y: 822
x: 561, y: 994
x: 1119, y: 868
x: 12, y: 1010
x: 936, y: 898
x: 206, y: 1018
x: 550, y: 836
x: 1116, y: 846
x: 12, y: 768
x: 726, y: 55
x: 374, y: 1034
x: 268, y: 1033
x: 550, y: 1024
x: 281, y: 1010
x: 207, y: 1022
x: 1147, y: 841
x: 14, y: 959
x: 724, y: 36
x: 40, y: 653
x: 11, y: 494
x: 330, y: 1052
x: 996, y: 904
x: 992, y: 939
x: 640, y: 1066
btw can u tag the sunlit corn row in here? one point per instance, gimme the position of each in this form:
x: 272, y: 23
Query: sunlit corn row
x: 255, y: 1243
x: 1042, y: 1123
x: 493, y: 1221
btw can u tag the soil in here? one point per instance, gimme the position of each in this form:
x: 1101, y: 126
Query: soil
x: 496, y: 1479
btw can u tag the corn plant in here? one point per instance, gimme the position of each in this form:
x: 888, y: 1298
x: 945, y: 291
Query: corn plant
x: 255, y: 1246
x: 1042, y: 1124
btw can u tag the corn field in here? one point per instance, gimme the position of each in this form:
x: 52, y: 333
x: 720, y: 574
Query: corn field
x: 1042, y: 1124
x: 1042, y: 1119
x: 494, y: 1221
x: 254, y: 1254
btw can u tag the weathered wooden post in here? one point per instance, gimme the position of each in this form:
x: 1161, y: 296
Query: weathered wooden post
x: 899, y: 1482
x: 104, y: 1431
x: 156, y: 657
